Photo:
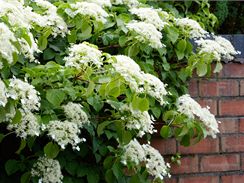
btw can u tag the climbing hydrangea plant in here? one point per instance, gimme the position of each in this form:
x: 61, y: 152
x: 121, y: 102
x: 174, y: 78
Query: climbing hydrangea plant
x: 83, y: 83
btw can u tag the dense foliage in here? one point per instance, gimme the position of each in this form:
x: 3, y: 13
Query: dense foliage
x: 83, y: 82
x: 230, y: 15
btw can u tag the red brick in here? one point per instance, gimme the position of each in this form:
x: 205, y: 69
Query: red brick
x: 241, y: 125
x: 233, y: 179
x: 209, y: 102
x: 231, y: 107
x: 208, y: 145
x: 228, y: 125
x: 242, y: 162
x: 219, y: 88
x: 218, y: 163
x: 193, y: 88
x: 199, y: 179
x: 188, y: 165
x: 171, y: 180
x: 232, y: 143
x: 232, y: 70
x: 164, y: 146
x: 242, y: 87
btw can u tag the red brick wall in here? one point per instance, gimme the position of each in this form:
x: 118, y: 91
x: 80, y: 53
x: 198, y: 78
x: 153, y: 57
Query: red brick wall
x: 219, y: 160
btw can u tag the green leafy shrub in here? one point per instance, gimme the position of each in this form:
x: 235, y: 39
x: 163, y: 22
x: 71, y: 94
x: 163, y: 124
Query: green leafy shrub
x: 83, y: 83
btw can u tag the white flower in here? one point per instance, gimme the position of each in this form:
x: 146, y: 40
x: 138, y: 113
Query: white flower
x: 146, y: 33
x: 18, y: 15
x: 137, y: 120
x: 29, y: 49
x: 195, y: 30
x: 28, y: 126
x: 87, y: 9
x: 75, y: 113
x: 26, y: 93
x: 102, y: 3
x: 155, y: 164
x: 138, y: 80
x: 149, y: 15
x: 192, y: 109
x: 227, y: 46
x: 7, y: 49
x: 48, y: 170
x: 129, y: 3
x: 155, y: 87
x: 3, y: 96
x: 64, y: 133
x: 219, y: 47
x: 83, y: 54
x: 133, y: 153
x: 50, y: 18
x: 147, y: 156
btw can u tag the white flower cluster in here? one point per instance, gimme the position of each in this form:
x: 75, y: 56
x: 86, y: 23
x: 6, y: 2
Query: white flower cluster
x: 83, y: 54
x: 47, y: 170
x: 102, y: 3
x: 195, y: 30
x: 64, y: 133
x: 50, y: 18
x: 137, y: 120
x: 87, y: 9
x: 3, y: 96
x: 192, y: 109
x: 155, y: 164
x: 146, y: 33
x: 23, y: 17
x: 148, y: 156
x: 7, y: 49
x: 28, y: 126
x: 155, y: 87
x: 17, y: 14
x: 129, y: 3
x: 75, y: 114
x: 149, y: 15
x: 26, y: 93
x: 138, y: 80
x: 219, y: 47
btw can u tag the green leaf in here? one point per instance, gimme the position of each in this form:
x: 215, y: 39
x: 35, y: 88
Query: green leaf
x: 109, y: 176
x: 17, y: 118
x: 22, y: 146
x: 180, y: 49
x: 95, y: 102
x: 133, y: 50
x: 100, y: 127
x: 156, y: 111
x: 72, y: 37
x: 165, y: 131
x: 12, y: 166
x: 51, y: 150
x: 108, y: 162
x: 185, y: 141
x: 117, y: 170
x: 86, y: 31
x: 1, y: 137
x: 93, y: 177
x: 25, y: 178
x: 55, y: 96
x: 172, y: 33
x: 202, y: 69
x: 141, y: 104
x: 90, y: 88
x: 48, y: 54
x: 218, y: 67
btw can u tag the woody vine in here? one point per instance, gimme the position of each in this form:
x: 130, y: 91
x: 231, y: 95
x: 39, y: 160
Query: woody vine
x: 83, y: 83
